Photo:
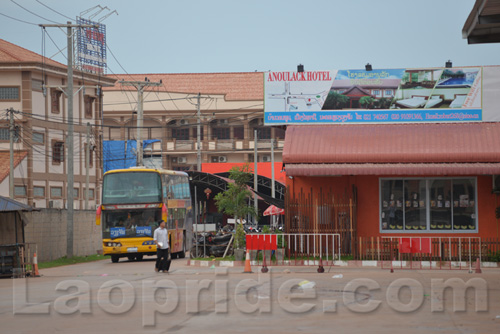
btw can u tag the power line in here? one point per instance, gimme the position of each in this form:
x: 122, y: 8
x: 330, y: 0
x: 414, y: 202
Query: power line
x: 55, y: 11
x: 60, y: 51
x: 13, y: 18
x: 29, y: 11
x: 109, y: 49
x: 61, y: 120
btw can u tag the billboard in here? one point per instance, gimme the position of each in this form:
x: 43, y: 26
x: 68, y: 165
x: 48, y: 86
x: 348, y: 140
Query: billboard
x: 377, y: 96
x: 91, y: 47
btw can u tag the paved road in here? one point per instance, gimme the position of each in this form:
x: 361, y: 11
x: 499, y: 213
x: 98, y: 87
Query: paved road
x: 129, y: 297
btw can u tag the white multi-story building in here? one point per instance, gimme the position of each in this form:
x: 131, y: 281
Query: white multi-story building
x: 32, y: 86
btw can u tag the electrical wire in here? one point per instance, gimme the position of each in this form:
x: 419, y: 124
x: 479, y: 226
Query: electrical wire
x: 235, y: 120
x: 55, y: 11
x: 118, y: 62
x: 13, y: 18
x: 29, y: 11
x: 60, y: 51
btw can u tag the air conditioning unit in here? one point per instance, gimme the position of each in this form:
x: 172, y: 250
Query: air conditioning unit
x: 174, y: 160
x: 222, y: 158
x: 181, y: 160
x: 183, y: 122
x: 55, y: 204
x: 266, y: 158
x: 215, y: 158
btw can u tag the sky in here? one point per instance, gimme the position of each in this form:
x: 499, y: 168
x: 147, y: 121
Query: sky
x: 201, y: 36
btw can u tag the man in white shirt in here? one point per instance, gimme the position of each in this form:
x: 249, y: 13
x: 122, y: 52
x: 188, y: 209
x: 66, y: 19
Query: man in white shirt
x: 162, y: 250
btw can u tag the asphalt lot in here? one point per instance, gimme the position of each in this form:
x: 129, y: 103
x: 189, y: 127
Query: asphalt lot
x: 129, y: 297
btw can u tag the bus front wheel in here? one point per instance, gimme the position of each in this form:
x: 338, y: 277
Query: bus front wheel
x: 115, y: 258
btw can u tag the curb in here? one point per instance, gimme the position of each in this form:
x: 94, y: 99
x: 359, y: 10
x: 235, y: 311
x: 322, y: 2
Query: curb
x: 349, y: 264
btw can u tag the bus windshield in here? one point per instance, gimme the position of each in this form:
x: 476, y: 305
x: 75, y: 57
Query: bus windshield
x: 131, y: 187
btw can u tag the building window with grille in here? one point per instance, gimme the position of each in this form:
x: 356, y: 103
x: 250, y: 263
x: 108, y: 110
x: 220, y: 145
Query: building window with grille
x: 38, y: 138
x: 239, y: 132
x: 180, y: 133
x: 38, y: 191
x: 91, y: 193
x: 20, y: 191
x: 55, y: 100
x: 5, y: 134
x: 9, y: 94
x: 57, y: 152
x: 55, y: 192
x: 88, y: 102
x: 263, y: 132
x: 422, y: 205
x: 221, y: 133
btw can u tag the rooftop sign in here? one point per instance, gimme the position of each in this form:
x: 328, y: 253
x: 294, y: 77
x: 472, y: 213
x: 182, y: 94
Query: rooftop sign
x: 91, y: 47
x: 382, y: 96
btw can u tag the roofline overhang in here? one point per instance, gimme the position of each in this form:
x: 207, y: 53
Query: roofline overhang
x: 479, y: 28
x: 103, y: 80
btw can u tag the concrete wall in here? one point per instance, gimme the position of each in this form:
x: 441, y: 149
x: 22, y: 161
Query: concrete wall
x: 48, y: 229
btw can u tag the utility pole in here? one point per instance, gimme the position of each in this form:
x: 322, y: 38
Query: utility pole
x: 11, y: 172
x: 198, y: 135
x: 255, y: 175
x: 139, y: 85
x: 69, y: 94
x: 71, y: 170
x: 87, y: 166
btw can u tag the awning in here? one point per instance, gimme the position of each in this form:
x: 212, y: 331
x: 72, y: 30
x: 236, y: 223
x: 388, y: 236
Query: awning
x: 392, y: 143
x: 393, y: 169
x: 483, y: 23
x: 9, y: 205
x: 393, y: 149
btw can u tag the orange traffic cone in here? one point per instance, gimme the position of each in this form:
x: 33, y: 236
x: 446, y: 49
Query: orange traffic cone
x: 478, y: 266
x: 35, y: 265
x: 248, y: 268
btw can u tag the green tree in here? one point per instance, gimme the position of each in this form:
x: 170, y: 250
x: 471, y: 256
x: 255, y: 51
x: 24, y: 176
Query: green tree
x: 335, y: 100
x: 384, y: 103
x: 366, y: 101
x: 234, y: 201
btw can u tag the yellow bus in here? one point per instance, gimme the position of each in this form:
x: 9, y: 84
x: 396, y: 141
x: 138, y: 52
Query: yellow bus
x: 134, y: 201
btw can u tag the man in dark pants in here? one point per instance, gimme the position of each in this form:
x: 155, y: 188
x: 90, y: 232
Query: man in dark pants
x: 162, y: 250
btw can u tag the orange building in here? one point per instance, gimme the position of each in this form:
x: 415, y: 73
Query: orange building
x: 403, y: 179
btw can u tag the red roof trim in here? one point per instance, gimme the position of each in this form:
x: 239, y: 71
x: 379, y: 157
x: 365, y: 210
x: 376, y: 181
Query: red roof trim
x: 392, y: 169
x: 393, y: 143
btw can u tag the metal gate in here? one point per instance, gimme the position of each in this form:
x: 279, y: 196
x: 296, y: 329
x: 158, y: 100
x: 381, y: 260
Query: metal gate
x: 429, y: 252
x: 291, y: 249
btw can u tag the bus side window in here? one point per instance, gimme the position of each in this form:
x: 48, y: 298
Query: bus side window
x: 164, y: 182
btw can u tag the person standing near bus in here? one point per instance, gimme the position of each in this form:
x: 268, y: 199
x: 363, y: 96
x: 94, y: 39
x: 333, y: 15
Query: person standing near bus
x: 162, y: 251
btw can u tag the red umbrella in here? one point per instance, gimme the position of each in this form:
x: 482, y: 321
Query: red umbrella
x: 274, y: 211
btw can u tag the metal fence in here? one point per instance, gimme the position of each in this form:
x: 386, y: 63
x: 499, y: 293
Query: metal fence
x: 322, y: 211
x: 291, y: 249
x: 422, y: 252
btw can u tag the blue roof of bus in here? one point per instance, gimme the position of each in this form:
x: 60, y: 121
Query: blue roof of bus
x: 144, y: 169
